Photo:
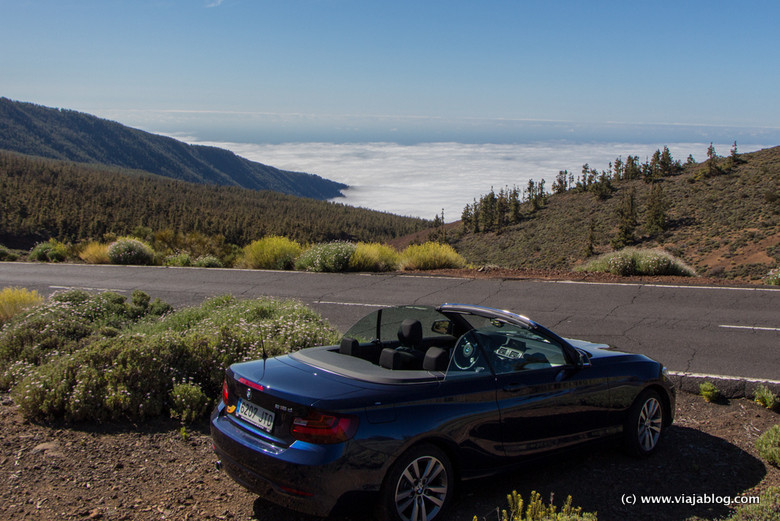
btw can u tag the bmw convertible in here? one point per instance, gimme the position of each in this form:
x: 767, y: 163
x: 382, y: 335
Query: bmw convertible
x: 417, y: 398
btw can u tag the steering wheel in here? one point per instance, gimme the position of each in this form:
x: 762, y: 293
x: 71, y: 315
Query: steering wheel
x: 466, y: 353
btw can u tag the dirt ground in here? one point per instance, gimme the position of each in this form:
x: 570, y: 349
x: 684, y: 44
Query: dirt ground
x: 154, y: 471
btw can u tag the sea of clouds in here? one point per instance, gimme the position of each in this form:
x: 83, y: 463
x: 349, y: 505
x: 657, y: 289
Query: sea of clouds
x: 423, y: 179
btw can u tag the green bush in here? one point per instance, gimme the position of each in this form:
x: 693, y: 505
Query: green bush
x: 271, y: 253
x: 773, y: 277
x: 182, y: 259
x: 188, y: 402
x: 768, y: 445
x: 537, y: 510
x: 767, y: 508
x: 709, y: 392
x: 373, y: 257
x: 7, y: 255
x: 129, y: 251
x: 430, y: 256
x: 15, y: 300
x: 49, y: 251
x: 633, y: 261
x: 331, y: 257
x: 134, y: 375
x: 765, y: 397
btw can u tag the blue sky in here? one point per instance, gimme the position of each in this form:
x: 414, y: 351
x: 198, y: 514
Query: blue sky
x: 455, y: 70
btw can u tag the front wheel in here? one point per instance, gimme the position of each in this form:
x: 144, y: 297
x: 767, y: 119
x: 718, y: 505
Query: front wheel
x: 645, y: 424
x: 418, y: 487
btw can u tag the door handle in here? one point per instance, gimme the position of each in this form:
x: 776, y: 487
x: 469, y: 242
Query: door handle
x: 513, y: 388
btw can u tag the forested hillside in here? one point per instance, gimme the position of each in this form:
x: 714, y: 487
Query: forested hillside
x: 44, y: 198
x: 74, y: 136
x: 721, y: 215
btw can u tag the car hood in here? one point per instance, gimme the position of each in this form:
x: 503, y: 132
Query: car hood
x: 584, y: 344
x: 603, y: 353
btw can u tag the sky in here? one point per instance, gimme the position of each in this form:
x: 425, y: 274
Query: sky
x: 402, y: 71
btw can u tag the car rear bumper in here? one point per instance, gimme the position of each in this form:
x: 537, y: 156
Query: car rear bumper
x: 304, y: 477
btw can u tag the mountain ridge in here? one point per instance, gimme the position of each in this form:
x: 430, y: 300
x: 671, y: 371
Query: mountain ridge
x: 70, y: 135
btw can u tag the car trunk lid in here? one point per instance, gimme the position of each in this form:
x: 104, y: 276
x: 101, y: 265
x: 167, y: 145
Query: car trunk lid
x: 271, y: 397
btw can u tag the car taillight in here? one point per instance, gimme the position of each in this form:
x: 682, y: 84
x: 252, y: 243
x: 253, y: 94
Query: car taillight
x: 225, y: 392
x: 317, y: 427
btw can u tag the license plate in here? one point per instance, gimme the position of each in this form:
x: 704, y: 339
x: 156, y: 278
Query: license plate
x: 255, y: 415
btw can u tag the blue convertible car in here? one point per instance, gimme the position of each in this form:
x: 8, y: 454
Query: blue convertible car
x: 416, y: 398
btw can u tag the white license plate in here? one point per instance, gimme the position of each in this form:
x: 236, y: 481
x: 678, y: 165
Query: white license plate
x: 255, y: 415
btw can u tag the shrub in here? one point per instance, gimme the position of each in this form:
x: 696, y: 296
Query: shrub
x: 168, y: 365
x: 49, y: 251
x: 765, y: 397
x: 633, y: 261
x: 373, y: 257
x: 536, y: 510
x: 188, y: 402
x: 767, y: 508
x: 773, y: 277
x: 95, y: 253
x: 182, y: 259
x: 709, y: 392
x: 63, y: 324
x: 768, y: 445
x: 7, y: 255
x: 207, y: 261
x: 15, y: 300
x: 271, y: 253
x: 430, y: 256
x: 332, y: 257
x: 129, y: 251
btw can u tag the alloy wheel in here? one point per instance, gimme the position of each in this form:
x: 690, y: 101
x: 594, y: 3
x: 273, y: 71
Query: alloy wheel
x: 421, y: 490
x: 649, y: 424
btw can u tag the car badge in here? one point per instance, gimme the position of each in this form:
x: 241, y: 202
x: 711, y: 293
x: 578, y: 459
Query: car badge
x: 248, y: 393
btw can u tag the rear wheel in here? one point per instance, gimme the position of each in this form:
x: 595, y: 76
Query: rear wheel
x: 418, y: 487
x: 645, y: 424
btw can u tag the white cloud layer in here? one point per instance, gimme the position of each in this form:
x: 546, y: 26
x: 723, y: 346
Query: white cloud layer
x: 421, y: 180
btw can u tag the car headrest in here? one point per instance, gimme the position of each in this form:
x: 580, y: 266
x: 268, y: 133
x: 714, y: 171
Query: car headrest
x: 410, y: 333
x: 349, y: 346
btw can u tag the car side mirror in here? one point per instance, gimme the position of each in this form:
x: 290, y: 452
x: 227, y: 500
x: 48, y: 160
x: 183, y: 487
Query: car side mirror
x: 582, y: 359
x: 443, y: 327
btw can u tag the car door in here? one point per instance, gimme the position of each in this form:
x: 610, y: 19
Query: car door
x: 546, y: 399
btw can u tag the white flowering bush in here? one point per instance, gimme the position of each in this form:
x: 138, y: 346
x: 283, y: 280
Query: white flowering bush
x: 64, y: 324
x: 139, y: 373
x: 773, y: 277
x: 332, y: 257
x: 634, y: 261
x: 130, y: 251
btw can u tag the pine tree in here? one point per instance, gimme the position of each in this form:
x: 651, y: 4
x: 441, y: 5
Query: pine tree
x: 627, y: 221
x: 657, y: 206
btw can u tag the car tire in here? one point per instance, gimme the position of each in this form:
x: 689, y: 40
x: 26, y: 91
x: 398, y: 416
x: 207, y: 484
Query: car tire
x: 418, y: 487
x: 645, y: 424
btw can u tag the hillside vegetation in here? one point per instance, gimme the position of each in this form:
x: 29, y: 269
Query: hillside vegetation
x: 74, y: 136
x: 42, y: 199
x: 721, y: 216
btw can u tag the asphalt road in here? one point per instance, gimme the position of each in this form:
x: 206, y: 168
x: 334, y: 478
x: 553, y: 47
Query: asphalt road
x: 709, y: 330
